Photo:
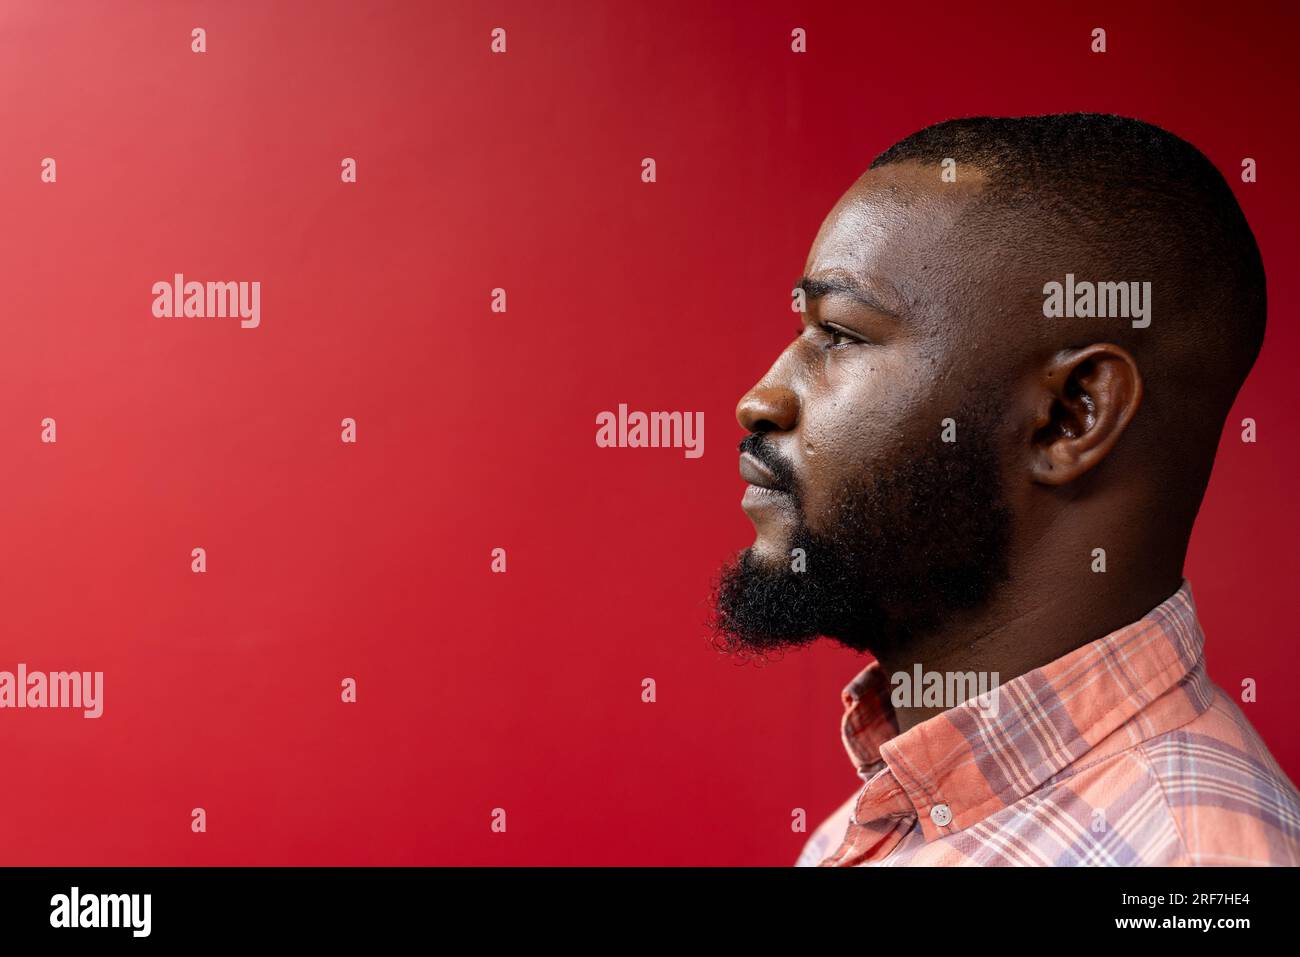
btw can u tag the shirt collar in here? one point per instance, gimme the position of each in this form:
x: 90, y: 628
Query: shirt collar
x: 977, y: 761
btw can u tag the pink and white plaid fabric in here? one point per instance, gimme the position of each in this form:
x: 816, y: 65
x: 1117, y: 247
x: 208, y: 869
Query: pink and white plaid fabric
x: 1122, y: 752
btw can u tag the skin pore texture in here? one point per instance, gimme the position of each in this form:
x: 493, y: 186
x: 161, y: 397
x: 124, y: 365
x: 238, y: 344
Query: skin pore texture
x: 925, y: 304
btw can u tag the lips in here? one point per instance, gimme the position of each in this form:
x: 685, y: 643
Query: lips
x: 756, y: 473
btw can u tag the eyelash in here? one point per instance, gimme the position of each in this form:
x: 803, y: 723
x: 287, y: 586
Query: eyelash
x: 830, y: 332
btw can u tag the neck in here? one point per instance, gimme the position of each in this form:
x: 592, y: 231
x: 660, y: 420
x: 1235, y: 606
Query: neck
x: 1024, y: 628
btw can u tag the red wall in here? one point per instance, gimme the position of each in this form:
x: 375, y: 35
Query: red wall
x: 476, y: 429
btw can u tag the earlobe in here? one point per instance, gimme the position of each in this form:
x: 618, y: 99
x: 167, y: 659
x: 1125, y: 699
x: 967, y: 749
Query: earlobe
x: 1086, y: 399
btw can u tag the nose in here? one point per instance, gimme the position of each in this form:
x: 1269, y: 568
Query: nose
x: 768, y: 407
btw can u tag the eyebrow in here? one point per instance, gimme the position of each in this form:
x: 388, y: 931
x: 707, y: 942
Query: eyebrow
x: 816, y: 288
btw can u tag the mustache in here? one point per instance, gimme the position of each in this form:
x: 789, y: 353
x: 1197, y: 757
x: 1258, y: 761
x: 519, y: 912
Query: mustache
x: 782, y: 470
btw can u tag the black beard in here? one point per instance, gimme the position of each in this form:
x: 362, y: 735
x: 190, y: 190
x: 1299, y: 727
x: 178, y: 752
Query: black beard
x: 902, y: 553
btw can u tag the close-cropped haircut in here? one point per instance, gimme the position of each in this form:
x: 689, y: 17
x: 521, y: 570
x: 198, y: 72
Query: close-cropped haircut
x: 1139, y: 199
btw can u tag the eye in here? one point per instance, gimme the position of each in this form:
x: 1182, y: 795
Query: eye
x: 836, y: 338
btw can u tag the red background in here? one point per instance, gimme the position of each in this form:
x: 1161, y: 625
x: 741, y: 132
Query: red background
x: 476, y: 430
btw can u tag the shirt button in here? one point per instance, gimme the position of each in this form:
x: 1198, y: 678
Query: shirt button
x: 941, y: 815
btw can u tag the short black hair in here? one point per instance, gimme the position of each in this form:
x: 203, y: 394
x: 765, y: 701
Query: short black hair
x: 1139, y: 195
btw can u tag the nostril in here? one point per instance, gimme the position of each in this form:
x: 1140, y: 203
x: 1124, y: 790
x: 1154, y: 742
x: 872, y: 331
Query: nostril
x: 768, y: 409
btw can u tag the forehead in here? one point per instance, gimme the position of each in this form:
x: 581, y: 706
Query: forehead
x: 895, y: 231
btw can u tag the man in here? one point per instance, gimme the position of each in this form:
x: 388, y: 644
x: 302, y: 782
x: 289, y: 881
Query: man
x: 982, y: 456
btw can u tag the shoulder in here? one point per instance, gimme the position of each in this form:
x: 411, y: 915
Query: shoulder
x: 1204, y: 793
x: 1231, y: 802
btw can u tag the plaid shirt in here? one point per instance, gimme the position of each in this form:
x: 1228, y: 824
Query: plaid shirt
x: 1122, y: 752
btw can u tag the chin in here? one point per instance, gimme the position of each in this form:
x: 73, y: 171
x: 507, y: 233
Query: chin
x: 770, y: 553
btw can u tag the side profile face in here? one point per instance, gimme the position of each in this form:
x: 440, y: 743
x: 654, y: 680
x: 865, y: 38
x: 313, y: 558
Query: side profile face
x: 874, y: 371
x: 868, y: 524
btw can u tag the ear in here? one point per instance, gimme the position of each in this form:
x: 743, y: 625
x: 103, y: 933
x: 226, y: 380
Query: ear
x: 1087, y: 397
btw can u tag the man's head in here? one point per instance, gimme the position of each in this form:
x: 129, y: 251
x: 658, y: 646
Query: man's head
x: 932, y: 438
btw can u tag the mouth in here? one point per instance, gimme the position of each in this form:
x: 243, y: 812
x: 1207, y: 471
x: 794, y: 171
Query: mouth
x: 756, y: 473
x: 764, y: 489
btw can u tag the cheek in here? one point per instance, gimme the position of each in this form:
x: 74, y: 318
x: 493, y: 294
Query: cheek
x: 851, y: 426
x: 842, y: 438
